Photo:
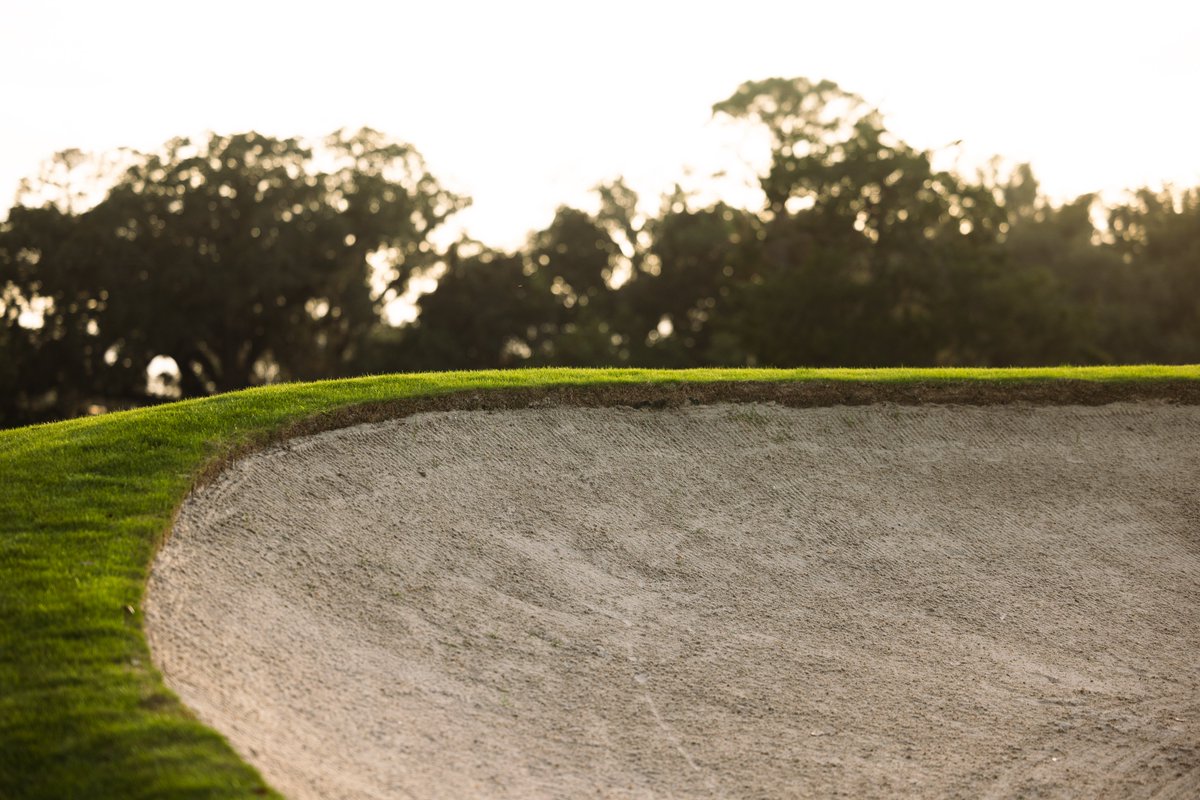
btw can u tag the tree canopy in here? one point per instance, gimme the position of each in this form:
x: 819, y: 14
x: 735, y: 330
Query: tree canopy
x: 243, y: 258
x: 247, y: 259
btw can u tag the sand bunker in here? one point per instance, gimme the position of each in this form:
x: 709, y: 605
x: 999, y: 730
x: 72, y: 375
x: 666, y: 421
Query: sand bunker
x: 728, y: 600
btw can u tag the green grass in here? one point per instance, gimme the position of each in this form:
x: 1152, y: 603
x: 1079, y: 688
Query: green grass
x: 84, y: 504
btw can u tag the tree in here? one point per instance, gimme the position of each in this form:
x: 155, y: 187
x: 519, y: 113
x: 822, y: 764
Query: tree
x: 244, y: 258
x: 485, y: 310
x: 1156, y: 299
x: 870, y: 255
x: 50, y: 318
x: 555, y: 302
x: 685, y: 292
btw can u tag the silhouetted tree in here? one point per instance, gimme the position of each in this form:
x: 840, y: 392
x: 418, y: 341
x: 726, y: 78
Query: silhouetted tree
x: 484, y: 312
x: 684, y: 295
x: 248, y: 259
x: 555, y: 302
x: 870, y: 255
x: 1155, y: 301
x: 244, y: 258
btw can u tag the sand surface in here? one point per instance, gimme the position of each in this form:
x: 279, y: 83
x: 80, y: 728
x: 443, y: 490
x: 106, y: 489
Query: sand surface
x: 743, y: 601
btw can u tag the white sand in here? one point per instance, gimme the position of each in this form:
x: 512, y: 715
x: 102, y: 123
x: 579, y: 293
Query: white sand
x: 738, y: 601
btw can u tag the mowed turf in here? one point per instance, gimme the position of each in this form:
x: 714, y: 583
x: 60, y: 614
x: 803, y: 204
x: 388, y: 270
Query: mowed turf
x: 84, y: 504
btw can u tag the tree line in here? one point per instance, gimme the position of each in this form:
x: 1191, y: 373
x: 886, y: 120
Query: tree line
x: 249, y: 259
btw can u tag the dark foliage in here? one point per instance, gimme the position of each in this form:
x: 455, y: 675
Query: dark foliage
x: 248, y: 259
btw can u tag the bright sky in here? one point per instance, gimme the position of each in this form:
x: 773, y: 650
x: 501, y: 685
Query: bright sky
x: 526, y: 105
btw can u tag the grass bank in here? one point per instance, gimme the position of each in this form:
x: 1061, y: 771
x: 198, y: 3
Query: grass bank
x: 84, y: 503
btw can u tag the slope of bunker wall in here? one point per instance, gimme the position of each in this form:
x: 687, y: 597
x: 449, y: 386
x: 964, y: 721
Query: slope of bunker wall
x: 701, y: 600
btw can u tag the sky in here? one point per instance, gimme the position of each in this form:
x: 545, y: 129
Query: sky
x: 525, y: 106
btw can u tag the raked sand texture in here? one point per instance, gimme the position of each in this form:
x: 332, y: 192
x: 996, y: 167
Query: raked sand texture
x: 743, y: 601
